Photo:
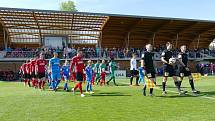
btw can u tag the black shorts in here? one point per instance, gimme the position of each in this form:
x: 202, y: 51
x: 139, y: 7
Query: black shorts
x: 133, y: 72
x: 168, y: 71
x: 33, y: 75
x: 21, y: 75
x: 150, y: 73
x: 184, y: 72
x: 79, y: 76
x: 46, y: 75
x: 41, y: 75
x: 27, y: 76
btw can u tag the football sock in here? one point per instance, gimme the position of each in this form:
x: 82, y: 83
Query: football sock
x: 191, y: 84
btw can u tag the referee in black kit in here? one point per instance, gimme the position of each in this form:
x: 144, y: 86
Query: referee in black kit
x: 184, y: 68
x: 168, y: 68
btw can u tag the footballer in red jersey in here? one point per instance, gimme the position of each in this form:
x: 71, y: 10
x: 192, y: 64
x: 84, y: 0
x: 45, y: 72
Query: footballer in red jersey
x: 33, y: 75
x: 28, y: 72
x: 78, y: 64
x: 41, y: 71
x: 102, y: 75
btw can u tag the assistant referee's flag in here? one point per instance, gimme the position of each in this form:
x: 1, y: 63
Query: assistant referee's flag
x: 196, y: 76
x: 149, y: 83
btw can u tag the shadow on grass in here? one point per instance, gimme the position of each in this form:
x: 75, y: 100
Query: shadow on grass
x: 185, y: 95
x: 110, y: 94
x: 179, y: 96
x: 119, y: 84
x: 175, y: 87
x: 61, y: 90
x: 11, y: 81
x: 123, y: 84
x: 211, y: 93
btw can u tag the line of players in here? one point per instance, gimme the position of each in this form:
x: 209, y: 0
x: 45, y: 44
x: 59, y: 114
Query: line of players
x: 170, y: 63
x: 36, y: 68
x: 33, y: 72
x: 36, y: 71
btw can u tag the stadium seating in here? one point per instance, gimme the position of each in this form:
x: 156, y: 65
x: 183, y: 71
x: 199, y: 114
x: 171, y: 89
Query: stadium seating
x: 118, y: 53
x: 8, y: 76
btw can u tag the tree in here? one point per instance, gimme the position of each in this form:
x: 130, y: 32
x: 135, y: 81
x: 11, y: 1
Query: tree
x: 68, y: 6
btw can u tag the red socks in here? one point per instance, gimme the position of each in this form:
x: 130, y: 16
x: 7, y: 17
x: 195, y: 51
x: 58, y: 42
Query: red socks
x: 36, y: 82
x: 40, y: 84
x: 33, y: 82
x: 93, y: 80
x: 43, y: 84
x: 102, y: 82
x: 25, y: 82
x: 79, y: 85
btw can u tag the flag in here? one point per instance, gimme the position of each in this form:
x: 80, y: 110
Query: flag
x: 196, y: 76
x: 149, y: 83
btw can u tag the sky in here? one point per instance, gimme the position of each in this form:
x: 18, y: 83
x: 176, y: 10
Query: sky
x: 191, y: 9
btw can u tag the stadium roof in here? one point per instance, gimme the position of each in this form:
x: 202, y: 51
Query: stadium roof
x: 110, y: 30
x: 33, y: 25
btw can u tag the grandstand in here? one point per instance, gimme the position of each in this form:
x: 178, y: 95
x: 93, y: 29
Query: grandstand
x: 48, y: 93
x: 24, y: 32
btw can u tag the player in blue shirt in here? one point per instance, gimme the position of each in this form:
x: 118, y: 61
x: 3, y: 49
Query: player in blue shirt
x: 89, y: 75
x: 66, y: 70
x: 54, y: 65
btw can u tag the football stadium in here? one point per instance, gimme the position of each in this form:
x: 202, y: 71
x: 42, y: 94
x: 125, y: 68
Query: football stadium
x: 86, y: 66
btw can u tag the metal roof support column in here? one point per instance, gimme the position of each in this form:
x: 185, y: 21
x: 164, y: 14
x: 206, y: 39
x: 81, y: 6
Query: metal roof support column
x: 128, y: 39
x: 8, y: 40
x: 5, y: 41
x: 153, y: 39
x: 39, y: 29
x: 100, y: 44
x: 72, y: 29
x: 176, y: 41
x: 198, y: 41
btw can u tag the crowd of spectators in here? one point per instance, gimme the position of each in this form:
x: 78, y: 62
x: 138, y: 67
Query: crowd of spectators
x: 8, y: 75
x: 204, y: 69
x: 98, y: 52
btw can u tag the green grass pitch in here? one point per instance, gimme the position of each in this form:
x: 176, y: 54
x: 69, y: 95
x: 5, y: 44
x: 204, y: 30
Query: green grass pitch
x: 109, y: 103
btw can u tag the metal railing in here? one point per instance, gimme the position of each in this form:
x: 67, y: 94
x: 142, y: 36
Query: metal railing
x: 20, y: 54
x: 2, y: 54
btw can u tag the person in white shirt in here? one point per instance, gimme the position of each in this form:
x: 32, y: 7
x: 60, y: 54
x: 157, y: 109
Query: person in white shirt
x: 133, y: 69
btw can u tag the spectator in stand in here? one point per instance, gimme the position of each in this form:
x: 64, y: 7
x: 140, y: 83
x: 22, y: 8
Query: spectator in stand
x: 97, y: 51
x: 74, y: 51
x: 212, y: 68
x: 65, y: 52
x: 69, y: 50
